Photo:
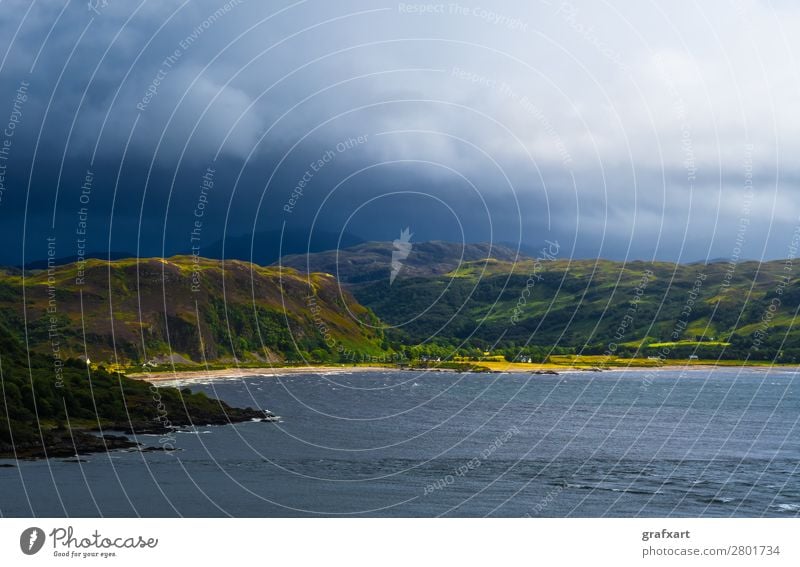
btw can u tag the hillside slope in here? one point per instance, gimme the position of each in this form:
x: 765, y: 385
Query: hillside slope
x: 588, y: 306
x: 186, y: 308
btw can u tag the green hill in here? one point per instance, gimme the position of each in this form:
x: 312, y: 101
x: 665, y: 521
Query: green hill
x: 184, y: 310
x: 581, y: 306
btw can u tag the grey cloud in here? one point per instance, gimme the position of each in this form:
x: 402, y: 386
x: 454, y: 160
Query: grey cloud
x: 653, y: 111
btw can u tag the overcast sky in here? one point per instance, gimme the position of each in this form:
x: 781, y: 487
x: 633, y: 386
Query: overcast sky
x: 636, y: 129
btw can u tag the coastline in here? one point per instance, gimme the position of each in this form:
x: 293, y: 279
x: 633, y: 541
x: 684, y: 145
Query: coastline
x: 239, y: 372
x: 493, y: 368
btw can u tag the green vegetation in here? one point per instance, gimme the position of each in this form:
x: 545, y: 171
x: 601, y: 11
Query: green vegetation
x: 188, y: 311
x: 687, y: 344
x: 50, y: 405
x: 556, y: 307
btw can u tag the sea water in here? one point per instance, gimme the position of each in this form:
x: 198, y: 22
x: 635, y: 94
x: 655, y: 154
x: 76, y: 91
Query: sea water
x: 698, y: 443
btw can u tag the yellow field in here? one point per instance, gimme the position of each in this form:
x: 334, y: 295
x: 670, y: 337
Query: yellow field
x: 573, y: 362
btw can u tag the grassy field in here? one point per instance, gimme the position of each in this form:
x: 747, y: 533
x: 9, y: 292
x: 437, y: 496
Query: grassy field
x: 687, y: 344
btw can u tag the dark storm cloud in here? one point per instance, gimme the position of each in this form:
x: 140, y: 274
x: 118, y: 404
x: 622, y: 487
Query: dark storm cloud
x: 631, y: 131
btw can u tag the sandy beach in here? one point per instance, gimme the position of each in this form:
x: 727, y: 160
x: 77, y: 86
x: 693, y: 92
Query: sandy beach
x: 242, y: 372
x: 494, y: 368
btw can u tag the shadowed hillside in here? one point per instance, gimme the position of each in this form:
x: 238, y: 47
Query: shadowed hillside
x: 372, y: 261
x: 59, y: 407
x: 592, y: 307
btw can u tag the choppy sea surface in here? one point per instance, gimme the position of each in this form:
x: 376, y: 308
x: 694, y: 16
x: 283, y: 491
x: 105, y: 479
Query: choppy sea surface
x: 718, y: 442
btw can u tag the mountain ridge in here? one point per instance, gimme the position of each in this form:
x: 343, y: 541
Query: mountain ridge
x: 372, y: 260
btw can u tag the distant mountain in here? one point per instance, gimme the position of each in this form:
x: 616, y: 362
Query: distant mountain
x: 184, y: 309
x: 267, y: 246
x: 372, y: 261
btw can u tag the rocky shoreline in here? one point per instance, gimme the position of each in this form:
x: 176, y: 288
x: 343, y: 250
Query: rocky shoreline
x: 75, y: 442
